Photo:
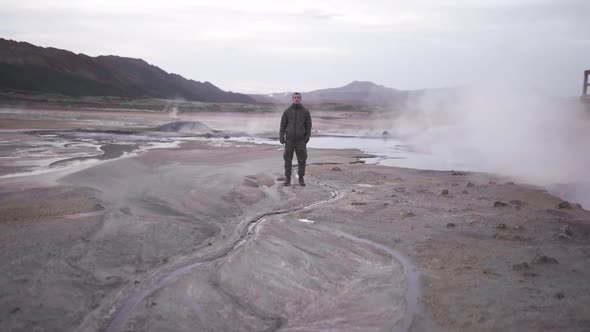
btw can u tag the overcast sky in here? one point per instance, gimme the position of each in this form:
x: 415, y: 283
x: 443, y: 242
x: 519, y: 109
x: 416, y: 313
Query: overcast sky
x: 262, y: 46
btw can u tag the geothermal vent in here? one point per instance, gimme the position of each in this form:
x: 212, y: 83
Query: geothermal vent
x: 192, y: 127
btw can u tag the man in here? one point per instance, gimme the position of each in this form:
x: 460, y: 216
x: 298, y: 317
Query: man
x: 295, y: 133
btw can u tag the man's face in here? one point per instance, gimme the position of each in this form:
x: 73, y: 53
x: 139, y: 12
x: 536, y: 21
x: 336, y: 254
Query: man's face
x: 296, y: 99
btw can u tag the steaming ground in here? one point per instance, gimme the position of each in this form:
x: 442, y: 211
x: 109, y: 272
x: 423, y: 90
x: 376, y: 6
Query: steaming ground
x: 163, y: 239
x: 504, y: 129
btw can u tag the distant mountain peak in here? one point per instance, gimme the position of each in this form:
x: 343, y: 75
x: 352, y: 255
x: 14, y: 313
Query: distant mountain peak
x: 361, y: 84
x: 354, y: 93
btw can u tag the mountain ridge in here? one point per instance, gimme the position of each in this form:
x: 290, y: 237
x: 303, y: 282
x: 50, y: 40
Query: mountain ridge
x: 27, y: 67
x: 356, y: 93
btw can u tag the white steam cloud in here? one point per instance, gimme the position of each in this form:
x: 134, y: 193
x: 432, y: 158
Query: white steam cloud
x: 506, y: 130
x: 174, y: 113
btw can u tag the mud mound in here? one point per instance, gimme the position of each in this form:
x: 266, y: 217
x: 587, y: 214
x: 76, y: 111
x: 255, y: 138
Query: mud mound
x: 193, y: 127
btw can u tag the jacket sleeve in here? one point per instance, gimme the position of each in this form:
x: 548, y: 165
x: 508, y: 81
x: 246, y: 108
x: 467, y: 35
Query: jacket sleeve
x: 307, y: 125
x: 283, y: 127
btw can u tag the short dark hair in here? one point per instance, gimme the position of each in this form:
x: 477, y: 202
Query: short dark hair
x: 295, y: 93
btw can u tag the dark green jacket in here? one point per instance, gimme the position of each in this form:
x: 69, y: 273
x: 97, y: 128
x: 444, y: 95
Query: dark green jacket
x: 295, y: 125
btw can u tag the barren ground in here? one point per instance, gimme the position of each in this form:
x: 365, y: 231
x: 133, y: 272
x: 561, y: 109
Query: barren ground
x: 204, y: 237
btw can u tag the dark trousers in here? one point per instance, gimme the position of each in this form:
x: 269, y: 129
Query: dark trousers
x: 300, y: 150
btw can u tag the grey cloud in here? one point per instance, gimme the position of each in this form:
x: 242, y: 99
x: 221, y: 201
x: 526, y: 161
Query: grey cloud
x: 318, y: 14
x: 411, y: 45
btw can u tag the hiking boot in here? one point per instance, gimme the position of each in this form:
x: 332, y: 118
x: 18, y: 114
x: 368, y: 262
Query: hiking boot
x: 287, y: 181
x: 301, y: 181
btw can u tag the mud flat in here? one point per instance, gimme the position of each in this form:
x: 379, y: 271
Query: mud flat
x: 205, y: 237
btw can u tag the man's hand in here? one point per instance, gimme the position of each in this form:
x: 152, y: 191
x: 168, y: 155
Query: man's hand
x: 282, y: 140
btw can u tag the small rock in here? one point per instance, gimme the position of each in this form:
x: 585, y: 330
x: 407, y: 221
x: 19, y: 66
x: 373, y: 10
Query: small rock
x: 518, y: 238
x: 358, y: 203
x: 208, y: 135
x: 408, y: 214
x: 563, y: 236
x: 353, y: 190
x: 530, y: 274
x: 136, y: 282
x: 450, y: 225
x: 559, y: 295
x: 153, y: 303
x: 226, y: 137
x: 510, y: 183
x: 510, y: 237
x: 445, y: 192
x: 454, y: 184
x: 385, y: 133
x: 564, y: 205
x: 520, y: 266
x: 542, y: 259
x: 209, y: 244
x: 566, y: 230
x: 465, y: 192
x: 336, y: 169
x: 517, y: 202
x: 454, y: 173
x: 14, y: 310
x: 385, y: 204
x: 492, y: 182
x: 488, y: 271
x: 469, y: 184
x: 499, y: 204
x: 501, y: 226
